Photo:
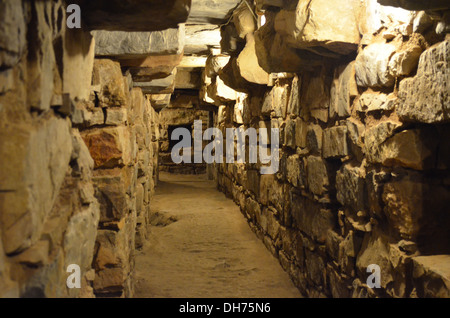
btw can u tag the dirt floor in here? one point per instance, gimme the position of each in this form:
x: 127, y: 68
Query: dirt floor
x: 201, y: 246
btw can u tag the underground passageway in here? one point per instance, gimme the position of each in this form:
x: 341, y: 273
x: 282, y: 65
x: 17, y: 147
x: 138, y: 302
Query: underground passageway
x: 224, y: 148
x: 200, y: 245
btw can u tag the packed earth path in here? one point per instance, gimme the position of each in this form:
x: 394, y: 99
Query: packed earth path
x: 200, y: 245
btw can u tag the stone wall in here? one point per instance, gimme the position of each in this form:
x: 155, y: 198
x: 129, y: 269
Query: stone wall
x: 78, y: 151
x: 364, y: 175
x: 123, y: 142
x: 49, y: 215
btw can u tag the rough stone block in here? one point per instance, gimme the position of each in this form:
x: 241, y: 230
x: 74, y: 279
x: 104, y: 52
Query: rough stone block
x: 112, y: 197
x: 350, y: 187
x: 78, y: 62
x: 372, y: 66
x: 294, y: 100
x: 108, y: 75
x: 116, y: 116
x: 402, y: 207
x: 294, y: 169
x: 343, y: 90
x: 79, y: 239
x: 311, y: 219
x: 13, y: 33
x: 188, y: 78
x: 275, y: 55
x: 376, y: 101
x: 332, y: 244
x: 35, y: 161
x: 376, y: 135
x: 42, y: 80
x: 265, y: 185
x: 411, y: 149
x: 348, y: 250
x: 290, y: 135
x: 109, y: 281
x: 335, y: 142
x: 425, y: 97
x: 375, y: 250
x: 151, y: 67
x: 248, y: 65
x: 109, y: 147
x: 220, y: 92
x: 316, y: 23
x: 159, y: 101
x: 316, y: 96
x: 96, y: 117
x: 158, y: 86
x: 301, y: 130
x: 314, y: 139
x: 405, y: 61
x: 317, y: 172
x: 244, y: 21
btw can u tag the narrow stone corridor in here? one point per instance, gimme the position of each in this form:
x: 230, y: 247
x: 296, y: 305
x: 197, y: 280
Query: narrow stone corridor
x: 224, y: 148
x: 200, y: 245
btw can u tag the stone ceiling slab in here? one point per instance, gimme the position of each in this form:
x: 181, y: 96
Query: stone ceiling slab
x: 211, y: 11
x: 159, y: 101
x: 134, y: 15
x: 151, y: 67
x: 122, y: 44
x: 158, y: 86
x: 417, y: 5
x: 193, y: 61
x: 200, y: 38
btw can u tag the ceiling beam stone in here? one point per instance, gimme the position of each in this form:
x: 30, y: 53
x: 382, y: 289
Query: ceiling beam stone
x: 134, y: 15
x: 417, y: 5
x: 158, y: 86
x: 122, y: 44
x: 212, y: 11
x: 200, y: 38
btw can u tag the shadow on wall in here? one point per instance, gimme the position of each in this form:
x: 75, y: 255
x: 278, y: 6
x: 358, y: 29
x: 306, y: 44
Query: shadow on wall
x: 433, y: 237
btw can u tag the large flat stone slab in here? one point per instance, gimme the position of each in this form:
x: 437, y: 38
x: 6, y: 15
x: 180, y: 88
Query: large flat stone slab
x: 158, y: 86
x: 200, y: 38
x: 137, y: 44
x: 134, y: 15
x: 417, y: 4
x: 193, y: 61
x: 211, y: 11
x: 151, y: 67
